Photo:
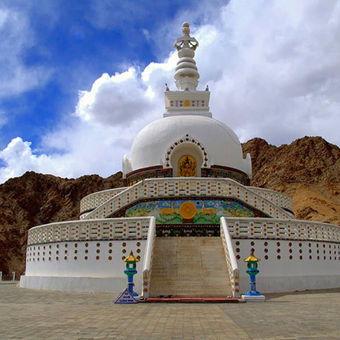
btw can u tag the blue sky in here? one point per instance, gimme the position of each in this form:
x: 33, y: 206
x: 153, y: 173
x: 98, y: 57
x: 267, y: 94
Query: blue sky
x: 75, y: 42
x: 79, y: 79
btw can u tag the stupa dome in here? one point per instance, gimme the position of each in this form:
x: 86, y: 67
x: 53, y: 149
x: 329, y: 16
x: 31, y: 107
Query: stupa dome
x: 219, y: 142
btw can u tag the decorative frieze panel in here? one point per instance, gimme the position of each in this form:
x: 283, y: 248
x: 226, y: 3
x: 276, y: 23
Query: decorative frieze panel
x: 189, y: 210
x: 224, y: 172
x: 182, y: 230
x: 152, y: 172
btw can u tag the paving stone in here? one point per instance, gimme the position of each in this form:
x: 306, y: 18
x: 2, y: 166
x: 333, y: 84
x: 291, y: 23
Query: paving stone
x: 28, y: 314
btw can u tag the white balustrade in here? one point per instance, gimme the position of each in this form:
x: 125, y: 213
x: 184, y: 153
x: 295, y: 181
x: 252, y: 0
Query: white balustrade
x: 87, y: 230
x: 148, y: 258
x: 281, y: 229
x: 187, y: 187
x: 233, y: 271
x: 278, y: 198
x: 96, y: 199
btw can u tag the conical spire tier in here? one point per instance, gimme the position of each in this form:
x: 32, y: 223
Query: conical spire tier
x: 186, y: 100
x: 186, y: 75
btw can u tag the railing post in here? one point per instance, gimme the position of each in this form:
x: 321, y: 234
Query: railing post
x: 233, y: 270
x: 13, y: 276
x: 0, y: 276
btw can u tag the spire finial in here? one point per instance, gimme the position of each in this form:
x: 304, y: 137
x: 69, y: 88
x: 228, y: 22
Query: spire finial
x: 186, y: 41
x: 186, y: 74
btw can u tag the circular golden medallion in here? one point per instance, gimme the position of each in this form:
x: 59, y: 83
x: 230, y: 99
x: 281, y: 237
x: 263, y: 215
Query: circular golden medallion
x: 187, y: 103
x: 187, y: 210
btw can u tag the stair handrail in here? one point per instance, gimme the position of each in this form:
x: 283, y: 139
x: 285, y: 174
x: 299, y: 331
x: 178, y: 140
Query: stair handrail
x: 92, y: 213
x: 233, y: 270
x: 147, y: 263
x: 89, y: 200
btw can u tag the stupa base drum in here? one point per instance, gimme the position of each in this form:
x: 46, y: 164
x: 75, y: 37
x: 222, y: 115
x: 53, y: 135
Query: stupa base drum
x: 188, y: 214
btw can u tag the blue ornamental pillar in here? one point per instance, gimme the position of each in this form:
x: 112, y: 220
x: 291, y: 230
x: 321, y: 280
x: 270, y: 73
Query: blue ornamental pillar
x: 128, y: 296
x: 252, y: 271
x: 130, y: 271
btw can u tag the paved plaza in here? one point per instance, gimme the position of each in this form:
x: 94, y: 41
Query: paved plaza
x: 29, y: 314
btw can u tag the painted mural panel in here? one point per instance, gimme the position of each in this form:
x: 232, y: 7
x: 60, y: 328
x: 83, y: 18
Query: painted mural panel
x: 190, y: 211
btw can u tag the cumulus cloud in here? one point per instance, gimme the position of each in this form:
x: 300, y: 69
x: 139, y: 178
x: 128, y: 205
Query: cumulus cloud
x: 71, y: 152
x: 18, y: 158
x: 273, y: 68
x: 115, y: 100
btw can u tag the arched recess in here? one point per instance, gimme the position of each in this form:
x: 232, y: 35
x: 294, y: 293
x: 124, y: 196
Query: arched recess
x: 186, y: 146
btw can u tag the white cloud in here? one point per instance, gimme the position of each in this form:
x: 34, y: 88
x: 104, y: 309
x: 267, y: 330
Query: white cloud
x: 77, y: 150
x: 15, y: 37
x: 115, y: 100
x: 18, y: 158
x: 273, y: 68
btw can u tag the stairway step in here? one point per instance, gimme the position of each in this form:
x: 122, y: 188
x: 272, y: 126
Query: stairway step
x: 189, y: 266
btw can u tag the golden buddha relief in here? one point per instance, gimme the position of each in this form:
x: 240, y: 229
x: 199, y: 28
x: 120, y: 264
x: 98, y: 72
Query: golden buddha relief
x: 187, y: 166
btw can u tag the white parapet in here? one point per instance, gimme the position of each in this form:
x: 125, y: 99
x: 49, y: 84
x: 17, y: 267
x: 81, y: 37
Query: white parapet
x: 96, y: 199
x: 282, y: 229
x: 294, y: 255
x: 279, y: 198
x: 86, y: 255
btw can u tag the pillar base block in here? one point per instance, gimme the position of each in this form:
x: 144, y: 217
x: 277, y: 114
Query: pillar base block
x: 253, y: 298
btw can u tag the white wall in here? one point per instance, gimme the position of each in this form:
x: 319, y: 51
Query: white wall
x: 322, y: 270
x: 67, y: 260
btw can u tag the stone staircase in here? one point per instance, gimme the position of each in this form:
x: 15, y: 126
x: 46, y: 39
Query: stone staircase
x: 189, y: 266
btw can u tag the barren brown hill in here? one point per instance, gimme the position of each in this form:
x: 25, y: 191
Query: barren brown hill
x: 307, y: 169
x: 34, y: 199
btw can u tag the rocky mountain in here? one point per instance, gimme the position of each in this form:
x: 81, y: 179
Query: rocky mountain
x: 308, y: 169
x: 34, y: 199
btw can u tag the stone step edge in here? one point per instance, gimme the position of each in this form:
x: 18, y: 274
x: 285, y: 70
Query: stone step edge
x: 193, y: 299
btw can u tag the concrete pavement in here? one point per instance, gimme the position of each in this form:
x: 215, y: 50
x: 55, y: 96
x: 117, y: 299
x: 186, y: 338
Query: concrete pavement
x: 29, y: 314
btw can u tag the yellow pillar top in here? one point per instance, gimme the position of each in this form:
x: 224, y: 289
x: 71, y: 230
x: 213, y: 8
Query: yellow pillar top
x: 131, y: 258
x: 251, y: 257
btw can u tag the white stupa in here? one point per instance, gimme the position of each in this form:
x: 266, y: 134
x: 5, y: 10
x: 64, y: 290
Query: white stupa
x: 188, y: 214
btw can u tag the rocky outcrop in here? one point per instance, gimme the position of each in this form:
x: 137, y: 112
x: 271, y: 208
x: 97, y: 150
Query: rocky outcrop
x: 307, y: 169
x: 34, y: 199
